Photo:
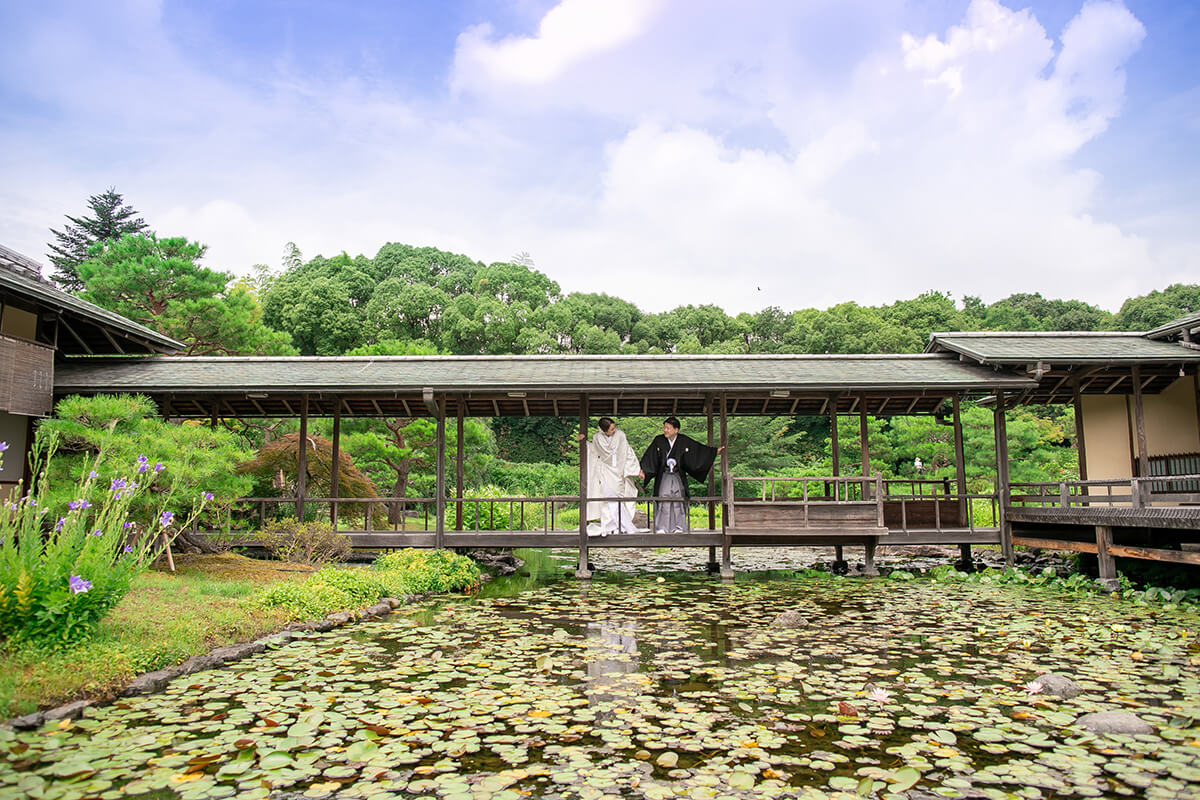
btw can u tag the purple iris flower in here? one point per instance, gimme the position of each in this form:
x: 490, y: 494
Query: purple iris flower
x: 97, y: 532
x: 58, y: 525
x: 128, y: 548
x: 127, y: 525
x: 142, y: 468
x: 158, y: 467
x: 166, y: 518
x: 78, y: 584
x: 208, y: 495
x: 3, y: 446
x: 117, y: 484
x: 93, y: 474
x: 142, y: 459
x: 75, y: 505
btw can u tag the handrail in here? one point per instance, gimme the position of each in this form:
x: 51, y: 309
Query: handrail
x: 1141, y: 492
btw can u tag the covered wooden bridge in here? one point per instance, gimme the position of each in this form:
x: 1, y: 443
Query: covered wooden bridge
x: 838, y: 509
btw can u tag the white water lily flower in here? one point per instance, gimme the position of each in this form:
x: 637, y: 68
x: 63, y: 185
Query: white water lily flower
x: 1034, y: 687
x: 880, y: 696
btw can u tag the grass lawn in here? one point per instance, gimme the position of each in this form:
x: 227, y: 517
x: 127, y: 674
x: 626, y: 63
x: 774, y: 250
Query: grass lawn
x: 165, y: 618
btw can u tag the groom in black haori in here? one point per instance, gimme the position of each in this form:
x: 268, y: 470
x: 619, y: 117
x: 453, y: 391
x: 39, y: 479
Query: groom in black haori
x: 669, y: 460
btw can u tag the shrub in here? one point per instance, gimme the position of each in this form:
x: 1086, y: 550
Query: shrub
x: 303, y: 542
x: 500, y: 515
x: 428, y: 571
x: 534, y: 480
x: 362, y: 586
x: 65, y: 564
x: 306, y: 599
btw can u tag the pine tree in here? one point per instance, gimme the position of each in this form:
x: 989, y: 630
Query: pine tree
x: 110, y: 220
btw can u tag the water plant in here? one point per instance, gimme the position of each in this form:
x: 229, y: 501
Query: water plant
x: 64, y: 565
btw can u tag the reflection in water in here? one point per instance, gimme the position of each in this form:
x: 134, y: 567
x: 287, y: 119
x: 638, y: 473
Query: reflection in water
x: 612, y: 654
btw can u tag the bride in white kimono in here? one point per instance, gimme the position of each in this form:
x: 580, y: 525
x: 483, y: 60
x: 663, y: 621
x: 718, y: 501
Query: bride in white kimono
x: 612, y: 468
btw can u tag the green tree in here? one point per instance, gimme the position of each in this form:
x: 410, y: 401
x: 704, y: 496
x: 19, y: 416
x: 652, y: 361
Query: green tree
x: 1158, y: 307
x: 127, y: 436
x: 159, y: 283
x: 110, y: 219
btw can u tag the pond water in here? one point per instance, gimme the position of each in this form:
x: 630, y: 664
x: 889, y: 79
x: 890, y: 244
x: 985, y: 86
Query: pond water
x: 663, y: 686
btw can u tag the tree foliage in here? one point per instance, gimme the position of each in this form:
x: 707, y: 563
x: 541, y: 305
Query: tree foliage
x: 161, y: 284
x: 109, y: 220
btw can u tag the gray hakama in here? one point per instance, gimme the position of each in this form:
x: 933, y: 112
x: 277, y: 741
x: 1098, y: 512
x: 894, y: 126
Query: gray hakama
x: 671, y: 516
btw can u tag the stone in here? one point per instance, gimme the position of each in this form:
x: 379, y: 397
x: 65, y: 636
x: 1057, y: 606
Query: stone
x: 27, y: 722
x: 1061, y: 686
x: 340, y: 618
x: 68, y: 711
x: 790, y: 619
x: 324, y: 625
x: 197, y: 663
x: 236, y: 652
x: 150, y: 681
x: 380, y: 609
x: 1114, y: 722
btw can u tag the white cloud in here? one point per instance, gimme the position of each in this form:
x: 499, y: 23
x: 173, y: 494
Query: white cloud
x: 667, y: 152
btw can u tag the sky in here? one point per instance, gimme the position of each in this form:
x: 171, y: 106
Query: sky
x: 791, y: 153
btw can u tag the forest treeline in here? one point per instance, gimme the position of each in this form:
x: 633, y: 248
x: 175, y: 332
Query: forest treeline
x: 422, y: 300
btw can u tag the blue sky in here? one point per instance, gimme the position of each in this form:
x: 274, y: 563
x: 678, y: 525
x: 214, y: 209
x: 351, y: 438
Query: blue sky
x: 768, y: 152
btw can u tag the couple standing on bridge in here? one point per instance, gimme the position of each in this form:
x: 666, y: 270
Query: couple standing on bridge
x: 669, y: 460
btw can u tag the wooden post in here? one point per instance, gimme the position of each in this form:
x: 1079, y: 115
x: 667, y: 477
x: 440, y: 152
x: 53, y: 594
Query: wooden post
x: 713, y: 566
x: 583, y: 570
x: 1001, y: 432
x: 1107, y: 566
x: 1139, y: 420
x: 458, y: 467
x: 440, y: 491
x: 335, y: 461
x: 301, y: 459
x: 727, y: 520
x: 1079, y: 444
x: 960, y: 483
x: 835, y: 449
x: 862, y: 435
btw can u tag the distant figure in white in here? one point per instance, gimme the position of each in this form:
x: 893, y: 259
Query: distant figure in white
x: 612, y: 468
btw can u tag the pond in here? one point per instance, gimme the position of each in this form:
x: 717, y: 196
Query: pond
x: 663, y: 686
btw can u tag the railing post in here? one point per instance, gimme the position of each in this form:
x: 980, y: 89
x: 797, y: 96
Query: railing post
x: 1135, y: 492
x: 583, y: 569
x: 1064, y: 497
x: 334, y: 462
x: 302, y: 460
x: 727, y: 512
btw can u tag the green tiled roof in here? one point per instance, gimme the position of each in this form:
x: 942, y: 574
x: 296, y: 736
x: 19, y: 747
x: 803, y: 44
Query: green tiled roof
x: 1188, y: 322
x: 1060, y: 348
x: 531, y: 373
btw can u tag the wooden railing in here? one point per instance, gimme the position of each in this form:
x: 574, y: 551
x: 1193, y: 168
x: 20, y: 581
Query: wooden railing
x: 412, y: 514
x: 1133, y: 492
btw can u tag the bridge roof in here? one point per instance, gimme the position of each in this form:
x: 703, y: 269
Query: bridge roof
x: 538, y: 385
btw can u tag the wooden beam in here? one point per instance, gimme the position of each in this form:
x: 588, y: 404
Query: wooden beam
x: 862, y: 435
x: 440, y: 487
x: 525, y: 406
x: 335, y: 462
x: 824, y: 405
x: 431, y: 403
x: 302, y: 460
x: 1155, y: 554
x: 727, y: 520
x: 883, y: 405
x: 834, y: 447
x: 1114, y: 384
x: 1055, y: 544
x: 912, y: 405
x: 960, y: 462
x: 254, y: 402
x: 495, y: 407
x: 1139, y: 421
x: 407, y: 410
x: 1106, y: 565
x: 583, y: 569
x: 1000, y: 429
x: 458, y: 464
x: 795, y: 404
x: 554, y: 401
x: 63, y: 322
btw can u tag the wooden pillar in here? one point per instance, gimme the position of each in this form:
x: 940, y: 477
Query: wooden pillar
x: 458, y: 466
x: 583, y: 569
x: 727, y: 520
x: 301, y: 459
x: 335, y: 461
x: 960, y: 482
x: 834, y: 447
x: 1002, y: 492
x: 862, y: 435
x: 713, y: 566
x: 1139, y: 421
x: 1080, y: 448
x: 439, y: 538
x: 1107, y: 566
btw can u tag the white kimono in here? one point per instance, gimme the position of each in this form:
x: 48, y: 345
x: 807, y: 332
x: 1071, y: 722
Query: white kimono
x: 612, y: 469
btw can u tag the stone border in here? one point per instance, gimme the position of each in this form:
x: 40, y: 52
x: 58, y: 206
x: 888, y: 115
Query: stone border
x: 154, y: 681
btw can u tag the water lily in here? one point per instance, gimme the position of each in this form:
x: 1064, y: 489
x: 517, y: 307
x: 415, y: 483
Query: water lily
x: 78, y: 584
x: 879, y: 695
x: 1034, y: 687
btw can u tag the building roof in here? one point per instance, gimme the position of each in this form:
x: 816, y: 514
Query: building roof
x: 1058, y: 347
x: 1186, y: 327
x: 536, y: 385
x: 89, y: 329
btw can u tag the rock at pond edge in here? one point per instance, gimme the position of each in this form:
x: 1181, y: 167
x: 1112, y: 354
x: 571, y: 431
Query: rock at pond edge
x: 1114, y: 722
x: 1056, y: 685
x: 790, y: 619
